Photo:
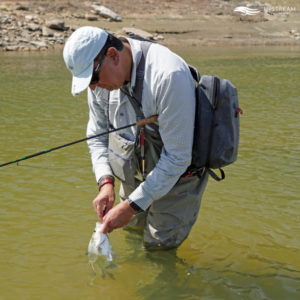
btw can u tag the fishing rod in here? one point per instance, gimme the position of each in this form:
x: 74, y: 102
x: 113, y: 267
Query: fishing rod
x: 140, y: 123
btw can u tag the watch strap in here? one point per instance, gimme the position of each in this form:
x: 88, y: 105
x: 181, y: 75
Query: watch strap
x: 135, y: 206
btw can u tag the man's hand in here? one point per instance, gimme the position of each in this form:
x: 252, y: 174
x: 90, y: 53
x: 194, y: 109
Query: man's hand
x: 104, y: 201
x: 117, y: 217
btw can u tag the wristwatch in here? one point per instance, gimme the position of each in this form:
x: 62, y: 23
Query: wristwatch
x: 135, y: 206
x: 106, y: 179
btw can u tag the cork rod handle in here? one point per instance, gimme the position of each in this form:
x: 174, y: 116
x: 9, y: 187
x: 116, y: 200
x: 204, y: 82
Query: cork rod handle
x: 145, y: 121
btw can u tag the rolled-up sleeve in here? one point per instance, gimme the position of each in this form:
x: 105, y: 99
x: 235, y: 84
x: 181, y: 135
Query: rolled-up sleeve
x: 98, y: 146
x: 175, y: 98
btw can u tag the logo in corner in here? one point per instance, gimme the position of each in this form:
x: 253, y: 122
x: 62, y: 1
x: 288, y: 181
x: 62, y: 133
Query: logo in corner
x: 245, y: 11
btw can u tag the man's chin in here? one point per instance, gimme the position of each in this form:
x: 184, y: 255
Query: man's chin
x: 112, y: 87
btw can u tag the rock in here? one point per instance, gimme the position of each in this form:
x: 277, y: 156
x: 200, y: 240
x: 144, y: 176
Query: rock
x: 5, y: 20
x: 24, y: 48
x: 73, y: 28
x: 39, y: 44
x: 47, y: 32
x: 29, y: 18
x: 159, y: 38
x: 25, y: 34
x: 20, y: 40
x: 57, y: 35
x: 56, y: 24
x: 21, y: 7
x: 78, y: 16
x: 139, y: 32
x: 106, y: 13
x: 12, y: 48
x: 295, y: 34
x: 90, y: 17
x: 33, y: 27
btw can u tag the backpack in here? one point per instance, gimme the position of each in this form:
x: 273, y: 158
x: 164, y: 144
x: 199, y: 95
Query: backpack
x: 216, y: 131
x: 217, y: 125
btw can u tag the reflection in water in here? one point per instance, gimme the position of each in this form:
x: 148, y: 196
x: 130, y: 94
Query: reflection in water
x: 101, y: 267
x: 173, y: 278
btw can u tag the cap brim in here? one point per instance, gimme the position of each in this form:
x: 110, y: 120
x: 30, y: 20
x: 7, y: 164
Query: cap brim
x: 82, y: 81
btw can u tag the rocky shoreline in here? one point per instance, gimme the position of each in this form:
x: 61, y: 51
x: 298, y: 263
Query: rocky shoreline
x: 40, y: 25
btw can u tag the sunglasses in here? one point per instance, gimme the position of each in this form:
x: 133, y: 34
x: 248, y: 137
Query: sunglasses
x: 96, y: 71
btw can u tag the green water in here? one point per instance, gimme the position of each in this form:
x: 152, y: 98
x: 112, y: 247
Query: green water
x: 245, y: 244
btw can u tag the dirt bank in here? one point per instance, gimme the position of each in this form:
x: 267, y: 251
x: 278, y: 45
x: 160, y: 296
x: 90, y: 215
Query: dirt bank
x: 28, y: 25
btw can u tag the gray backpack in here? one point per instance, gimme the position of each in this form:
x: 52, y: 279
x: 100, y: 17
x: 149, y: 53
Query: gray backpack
x: 216, y: 133
x: 217, y: 125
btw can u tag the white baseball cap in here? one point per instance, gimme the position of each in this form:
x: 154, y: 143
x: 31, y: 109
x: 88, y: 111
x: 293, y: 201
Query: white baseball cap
x: 80, y: 50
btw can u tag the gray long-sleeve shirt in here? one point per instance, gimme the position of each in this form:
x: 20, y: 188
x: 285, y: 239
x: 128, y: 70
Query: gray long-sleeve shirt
x: 169, y: 92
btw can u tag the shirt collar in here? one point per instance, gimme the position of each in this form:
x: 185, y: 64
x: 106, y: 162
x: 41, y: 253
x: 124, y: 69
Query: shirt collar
x: 136, y: 52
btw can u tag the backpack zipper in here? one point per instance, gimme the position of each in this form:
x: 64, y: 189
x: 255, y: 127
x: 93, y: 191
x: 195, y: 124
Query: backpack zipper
x: 216, y: 91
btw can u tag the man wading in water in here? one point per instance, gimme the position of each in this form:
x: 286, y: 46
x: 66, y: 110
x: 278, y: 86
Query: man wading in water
x: 149, y: 162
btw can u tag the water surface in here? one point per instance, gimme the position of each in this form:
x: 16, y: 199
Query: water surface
x: 245, y: 244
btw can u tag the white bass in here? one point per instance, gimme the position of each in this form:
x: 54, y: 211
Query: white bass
x: 99, y: 245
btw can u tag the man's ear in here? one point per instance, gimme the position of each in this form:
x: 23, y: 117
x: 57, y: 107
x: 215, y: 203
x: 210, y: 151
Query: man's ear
x: 113, y: 54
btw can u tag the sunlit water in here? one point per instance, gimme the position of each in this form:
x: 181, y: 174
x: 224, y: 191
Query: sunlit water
x: 245, y: 244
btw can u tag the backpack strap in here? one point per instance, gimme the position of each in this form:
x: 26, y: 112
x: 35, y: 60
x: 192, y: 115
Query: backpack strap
x: 215, y: 101
x: 195, y: 73
x: 215, y: 176
x: 135, y: 97
x: 192, y: 170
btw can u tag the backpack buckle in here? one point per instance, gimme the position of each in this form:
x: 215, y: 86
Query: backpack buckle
x: 238, y: 112
x: 198, y: 172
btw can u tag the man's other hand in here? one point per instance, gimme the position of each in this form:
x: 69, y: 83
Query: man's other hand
x: 117, y: 217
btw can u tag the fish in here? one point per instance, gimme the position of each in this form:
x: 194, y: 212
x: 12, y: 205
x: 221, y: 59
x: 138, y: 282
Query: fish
x: 99, y: 245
